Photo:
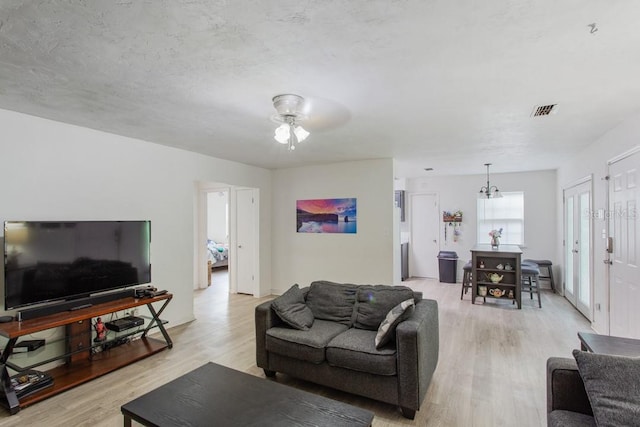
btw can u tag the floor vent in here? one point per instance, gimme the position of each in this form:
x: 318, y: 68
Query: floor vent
x: 544, y: 110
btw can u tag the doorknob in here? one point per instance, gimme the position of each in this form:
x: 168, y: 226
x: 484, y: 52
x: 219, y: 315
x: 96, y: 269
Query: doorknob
x: 608, y: 261
x: 239, y: 246
x: 575, y: 251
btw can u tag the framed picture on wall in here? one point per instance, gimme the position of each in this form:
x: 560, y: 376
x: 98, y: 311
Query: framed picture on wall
x: 326, y: 216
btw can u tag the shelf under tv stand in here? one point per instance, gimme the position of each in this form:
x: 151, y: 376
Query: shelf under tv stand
x: 82, y: 364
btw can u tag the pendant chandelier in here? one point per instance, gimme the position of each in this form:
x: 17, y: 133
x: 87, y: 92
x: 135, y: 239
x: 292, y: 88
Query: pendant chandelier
x: 489, y: 191
x: 289, y: 108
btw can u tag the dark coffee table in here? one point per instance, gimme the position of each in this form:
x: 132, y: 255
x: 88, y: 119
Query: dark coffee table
x: 216, y: 395
x: 605, y: 344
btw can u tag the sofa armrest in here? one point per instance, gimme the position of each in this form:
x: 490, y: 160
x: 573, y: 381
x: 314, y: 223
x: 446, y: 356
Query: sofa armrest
x: 417, y: 343
x: 265, y: 318
x: 565, y: 389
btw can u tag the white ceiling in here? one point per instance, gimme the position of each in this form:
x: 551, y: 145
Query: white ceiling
x: 438, y: 83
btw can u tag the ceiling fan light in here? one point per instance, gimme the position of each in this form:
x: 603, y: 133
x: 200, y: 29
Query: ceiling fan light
x: 300, y: 133
x: 289, y: 108
x: 282, y: 134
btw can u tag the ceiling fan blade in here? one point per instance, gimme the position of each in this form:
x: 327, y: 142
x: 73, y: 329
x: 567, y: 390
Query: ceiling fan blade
x: 324, y: 114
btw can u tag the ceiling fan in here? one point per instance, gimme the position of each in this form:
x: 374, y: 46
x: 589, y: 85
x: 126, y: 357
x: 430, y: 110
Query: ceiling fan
x: 316, y: 114
x: 289, y: 108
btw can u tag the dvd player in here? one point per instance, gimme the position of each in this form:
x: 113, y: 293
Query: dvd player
x: 27, y: 345
x: 124, y: 323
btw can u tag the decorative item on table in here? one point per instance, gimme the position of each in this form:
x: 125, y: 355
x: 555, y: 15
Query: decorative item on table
x: 511, y: 293
x: 497, y: 292
x: 101, y: 332
x: 508, y: 267
x: 494, y: 277
x: 500, y: 267
x: 482, y: 291
x: 481, y: 264
x: 495, y: 237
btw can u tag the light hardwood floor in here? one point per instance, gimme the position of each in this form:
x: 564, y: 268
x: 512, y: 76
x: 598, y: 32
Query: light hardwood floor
x: 491, y: 370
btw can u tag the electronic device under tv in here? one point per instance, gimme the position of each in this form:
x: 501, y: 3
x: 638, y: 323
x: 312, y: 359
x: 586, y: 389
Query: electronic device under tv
x: 47, y: 261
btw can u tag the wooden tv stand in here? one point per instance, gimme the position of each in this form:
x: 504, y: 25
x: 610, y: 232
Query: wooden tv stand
x: 85, y: 359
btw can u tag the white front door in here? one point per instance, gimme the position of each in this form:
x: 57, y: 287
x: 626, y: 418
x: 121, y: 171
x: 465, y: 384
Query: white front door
x: 423, y: 246
x: 578, y: 247
x: 245, y: 244
x: 624, y: 291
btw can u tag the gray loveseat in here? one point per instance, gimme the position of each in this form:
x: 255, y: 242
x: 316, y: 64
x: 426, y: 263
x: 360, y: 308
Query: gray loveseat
x: 338, y: 349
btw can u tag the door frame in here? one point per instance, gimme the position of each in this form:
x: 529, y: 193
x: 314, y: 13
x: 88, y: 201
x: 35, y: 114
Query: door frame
x: 200, y: 250
x: 200, y: 230
x: 586, y: 311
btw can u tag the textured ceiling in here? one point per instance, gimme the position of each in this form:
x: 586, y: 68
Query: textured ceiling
x: 442, y: 84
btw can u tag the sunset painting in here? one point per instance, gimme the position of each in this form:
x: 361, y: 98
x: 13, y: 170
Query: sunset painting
x: 326, y: 216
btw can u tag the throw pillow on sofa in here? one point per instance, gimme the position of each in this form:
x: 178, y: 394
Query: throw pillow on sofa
x: 332, y: 301
x: 613, y: 387
x: 375, y: 301
x: 291, y: 308
x: 387, y: 328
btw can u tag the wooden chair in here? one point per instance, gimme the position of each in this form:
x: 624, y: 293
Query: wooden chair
x: 466, y: 279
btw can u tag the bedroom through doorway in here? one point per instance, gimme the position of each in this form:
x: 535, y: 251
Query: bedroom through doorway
x: 218, y: 238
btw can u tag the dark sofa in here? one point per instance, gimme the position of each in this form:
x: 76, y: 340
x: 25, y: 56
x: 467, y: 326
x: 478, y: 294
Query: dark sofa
x: 338, y: 350
x: 593, y: 390
x: 567, y: 401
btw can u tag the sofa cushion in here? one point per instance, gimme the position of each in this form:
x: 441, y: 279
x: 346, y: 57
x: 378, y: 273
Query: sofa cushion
x: 559, y: 418
x: 291, y: 308
x: 397, y: 314
x: 303, y: 345
x: 613, y: 387
x: 332, y: 301
x: 374, y: 302
x: 354, y: 349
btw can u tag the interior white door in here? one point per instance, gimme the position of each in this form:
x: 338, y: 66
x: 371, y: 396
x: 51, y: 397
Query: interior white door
x: 423, y: 247
x: 624, y: 292
x: 578, y: 247
x: 246, y: 245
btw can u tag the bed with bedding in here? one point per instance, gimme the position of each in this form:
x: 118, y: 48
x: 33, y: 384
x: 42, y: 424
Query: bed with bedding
x: 217, y: 256
x: 217, y: 253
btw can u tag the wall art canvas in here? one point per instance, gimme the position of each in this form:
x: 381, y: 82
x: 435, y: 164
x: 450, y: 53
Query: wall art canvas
x: 326, y: 216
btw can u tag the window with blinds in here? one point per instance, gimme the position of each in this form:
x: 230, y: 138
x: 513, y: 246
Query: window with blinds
x: 507, y: 213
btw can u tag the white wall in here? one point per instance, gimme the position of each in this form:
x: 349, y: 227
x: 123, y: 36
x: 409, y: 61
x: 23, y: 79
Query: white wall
x: 460, y: 192
x: 55, y: 171
x: 364, y: 257
x: 594, y: 160
x: 217, y: 216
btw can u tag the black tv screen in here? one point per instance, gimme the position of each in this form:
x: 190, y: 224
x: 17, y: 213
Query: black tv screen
x: 48, y: 261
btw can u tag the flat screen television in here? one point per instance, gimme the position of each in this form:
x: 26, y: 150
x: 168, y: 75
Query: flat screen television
x: 47, y: 261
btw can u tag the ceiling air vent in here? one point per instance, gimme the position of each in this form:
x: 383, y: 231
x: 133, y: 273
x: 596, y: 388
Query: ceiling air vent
x: 544, y: 110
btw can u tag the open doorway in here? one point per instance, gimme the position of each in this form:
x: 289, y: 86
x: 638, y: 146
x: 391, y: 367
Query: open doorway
x: 218, y: 238
x: 232, y: 229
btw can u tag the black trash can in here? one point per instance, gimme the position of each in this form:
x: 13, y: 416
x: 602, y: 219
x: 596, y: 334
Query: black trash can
x: 448, y: 264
